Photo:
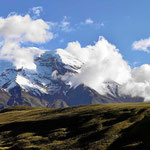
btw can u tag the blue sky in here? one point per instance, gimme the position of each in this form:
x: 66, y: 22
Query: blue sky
x: 121, y: 22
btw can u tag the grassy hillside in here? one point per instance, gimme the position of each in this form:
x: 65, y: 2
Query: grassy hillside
x: 93, y: 127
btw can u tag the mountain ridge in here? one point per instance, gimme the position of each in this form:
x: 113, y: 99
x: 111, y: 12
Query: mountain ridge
x: 51, y: 82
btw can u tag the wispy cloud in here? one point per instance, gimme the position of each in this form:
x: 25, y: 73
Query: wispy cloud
x: 62, y: 26
x: 65, y: 25
x: 89, y: 21
x: 12, y: 14
x: 142, y: 45
x: 36, y: 11
x: 64, y: 22
x: 94, y: 24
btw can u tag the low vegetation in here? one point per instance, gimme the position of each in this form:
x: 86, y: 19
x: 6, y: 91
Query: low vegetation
x: 90, y: 127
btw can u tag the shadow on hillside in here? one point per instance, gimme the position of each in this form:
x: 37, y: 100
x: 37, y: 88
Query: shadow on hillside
x: 49, y: 128
x: 136, y: 137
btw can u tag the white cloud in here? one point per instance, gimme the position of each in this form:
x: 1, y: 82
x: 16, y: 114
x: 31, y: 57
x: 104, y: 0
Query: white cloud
x: 65, y: 25
x: 92, y: 23
x: 89, y: 21
x: 12, y: 14
x: 102, y: 62
x: 19, y: 56
x: 142, y: 45
x: 52, y: 24
x: 139, y: 85
x: 142, y: 73
x: 24, y: 29
x: 37, y: 10
x: 14, y: 31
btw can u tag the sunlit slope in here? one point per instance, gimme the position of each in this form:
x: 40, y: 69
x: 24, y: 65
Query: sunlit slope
x: 102, y: 126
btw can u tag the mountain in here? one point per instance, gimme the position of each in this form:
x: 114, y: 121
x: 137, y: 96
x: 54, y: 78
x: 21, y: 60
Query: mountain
x: 50, y: 84
x: 90, y: 127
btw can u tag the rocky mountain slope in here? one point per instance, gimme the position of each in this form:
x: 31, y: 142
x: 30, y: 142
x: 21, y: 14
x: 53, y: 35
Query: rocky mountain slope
x: 50, y: 84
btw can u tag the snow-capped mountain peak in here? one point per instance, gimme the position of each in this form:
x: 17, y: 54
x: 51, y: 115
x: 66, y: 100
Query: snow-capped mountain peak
x: 51, y: 81
x: 50, y: 67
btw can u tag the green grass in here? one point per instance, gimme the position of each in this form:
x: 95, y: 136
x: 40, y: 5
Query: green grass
x: 90, y: 127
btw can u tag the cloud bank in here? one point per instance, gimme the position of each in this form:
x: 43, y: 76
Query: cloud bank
x: 17, y: 30
x: 139, y: 84
x: 103, y: 63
